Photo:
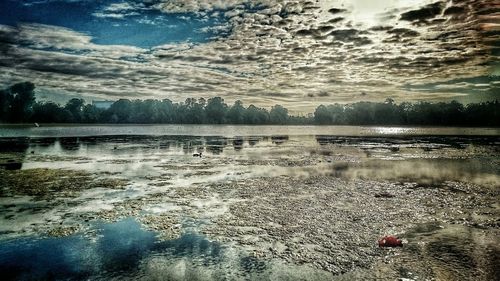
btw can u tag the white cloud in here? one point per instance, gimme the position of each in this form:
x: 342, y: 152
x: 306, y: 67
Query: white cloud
x: 188, y: 6
x: 114, y: 15
x: 120, y: 10
x: 284, y: 51
x: 39, y: 36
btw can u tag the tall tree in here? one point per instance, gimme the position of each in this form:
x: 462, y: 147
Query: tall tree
x: 21, y: 105
x: 119, y: 112
x: 235, y: 114
x: 216, y: 110
x: 5, y: 104
x: 278, y: 115
x: 91, y: 114
x: 74, y: 106
x: 255, y: 115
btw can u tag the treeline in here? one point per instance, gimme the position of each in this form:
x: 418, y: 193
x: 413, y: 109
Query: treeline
x: 18, y: 105
x: 485, y: 114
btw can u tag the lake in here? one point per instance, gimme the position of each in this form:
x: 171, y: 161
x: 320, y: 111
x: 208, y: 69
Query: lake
x: 255, y: 203
x: 232, y: 130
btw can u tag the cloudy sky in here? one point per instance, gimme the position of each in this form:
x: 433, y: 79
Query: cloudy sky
x: 296, y: 53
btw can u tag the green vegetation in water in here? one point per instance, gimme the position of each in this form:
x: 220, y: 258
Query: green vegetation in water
x: 43, y: 182
x: 17, y: 104
x: 62, y: 231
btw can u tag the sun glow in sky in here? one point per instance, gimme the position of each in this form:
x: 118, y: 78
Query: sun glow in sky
x: 297, y: 53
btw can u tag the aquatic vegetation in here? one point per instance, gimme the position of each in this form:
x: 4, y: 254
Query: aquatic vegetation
x: 43, y: 182
x: 62, y: 231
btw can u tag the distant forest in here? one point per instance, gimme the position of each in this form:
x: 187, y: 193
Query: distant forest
x: 18, y: 105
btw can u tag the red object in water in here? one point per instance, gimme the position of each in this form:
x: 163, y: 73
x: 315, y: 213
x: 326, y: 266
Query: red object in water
x: 390, y: 241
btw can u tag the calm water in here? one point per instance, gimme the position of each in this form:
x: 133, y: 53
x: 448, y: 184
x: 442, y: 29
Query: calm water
x: 231, y: 131
x: 154, y: 159
x: 116, y: 251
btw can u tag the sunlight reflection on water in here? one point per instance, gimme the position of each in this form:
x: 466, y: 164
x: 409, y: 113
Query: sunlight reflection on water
x: 393, y: 130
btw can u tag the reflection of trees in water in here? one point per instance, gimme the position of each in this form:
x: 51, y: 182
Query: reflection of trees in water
x: 253, y: 140
x: 19, y: 148
x: 238, y: 143
x: 279, y: 139
x: 96, y: 140
x: 425, y: 142
x: 42, y: 142
x: 215, y: 145
x: 164, y: 145
x: 69, y: 143
x: 187, y: 148
x: 191, y: 145
x: 14, y: 144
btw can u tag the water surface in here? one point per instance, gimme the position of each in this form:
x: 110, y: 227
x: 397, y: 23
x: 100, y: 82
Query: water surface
x: 152, y: 226
x: 233, y: 130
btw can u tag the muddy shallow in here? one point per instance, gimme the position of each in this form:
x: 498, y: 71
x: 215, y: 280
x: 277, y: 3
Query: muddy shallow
x: 253, y: 207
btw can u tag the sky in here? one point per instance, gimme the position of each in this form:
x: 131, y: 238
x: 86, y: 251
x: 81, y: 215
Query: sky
x: 299, y: 53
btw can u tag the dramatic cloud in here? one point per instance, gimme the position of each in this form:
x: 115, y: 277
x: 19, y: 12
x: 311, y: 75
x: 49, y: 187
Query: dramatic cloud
x: 297, y: 53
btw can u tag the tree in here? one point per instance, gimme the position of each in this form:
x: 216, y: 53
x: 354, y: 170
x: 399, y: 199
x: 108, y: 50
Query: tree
x: 322, y: 115
x: 235, y: 114
x: 387, y: 113
x: 360, y: 113
x: 166, y: 112
x: 49, y: 112
x: 278, y: 115
x: 18, y: 104
x: 91, y: 114
x: 255, y: 115
x: 145, y: 111
x: 74, y: 106
x: 21, y: 102
x: 193, y: 112
x: 216, y: 110
x: 5, y: 104
x: 119, y: 112
x: 338, y: 114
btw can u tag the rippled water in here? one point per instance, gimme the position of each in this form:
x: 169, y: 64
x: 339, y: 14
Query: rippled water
x: 155, y: 160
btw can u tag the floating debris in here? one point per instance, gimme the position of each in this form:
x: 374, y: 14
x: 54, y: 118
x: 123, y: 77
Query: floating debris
x: 390, y: 241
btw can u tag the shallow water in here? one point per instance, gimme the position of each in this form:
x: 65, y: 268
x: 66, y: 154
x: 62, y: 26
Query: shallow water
x: 106, y: 250
x: 117, y: 232
x: 118, y: 247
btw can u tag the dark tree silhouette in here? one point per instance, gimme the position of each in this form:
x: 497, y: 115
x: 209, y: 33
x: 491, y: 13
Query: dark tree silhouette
x: 236, y: 113
x: 74, y: 106
x: 216, y: 110
x: 254, y: 115
x: 278, y: 115
x: 17, y: 104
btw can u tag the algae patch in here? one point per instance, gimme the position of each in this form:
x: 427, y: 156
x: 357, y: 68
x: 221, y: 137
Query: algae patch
x: 43, y: 181
x: 63, y: 231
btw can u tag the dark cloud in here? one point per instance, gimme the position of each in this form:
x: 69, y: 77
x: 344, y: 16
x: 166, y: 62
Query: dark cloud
x: 427, y: 12
x: 273, y: 51
x: 454, y: 10
x: 335, y: 20
x: 336, y: 10
x: 479, y: 85
x: 403, y: 32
